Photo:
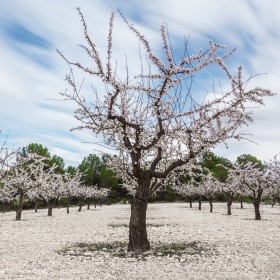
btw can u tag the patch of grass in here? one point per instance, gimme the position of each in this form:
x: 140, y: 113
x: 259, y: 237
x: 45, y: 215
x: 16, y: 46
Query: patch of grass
x: 181, y: 251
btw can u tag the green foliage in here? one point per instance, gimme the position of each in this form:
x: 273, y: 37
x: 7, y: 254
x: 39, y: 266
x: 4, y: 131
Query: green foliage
x: 90, y: 169
x: 59, y: 162
x: 217, y: 165
x: 164, y: 195
x: 71, y: 170
x: 38, y: 149
x: 245, y: 158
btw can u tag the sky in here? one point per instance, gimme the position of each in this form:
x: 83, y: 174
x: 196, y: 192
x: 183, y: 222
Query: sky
x: 32, y: 74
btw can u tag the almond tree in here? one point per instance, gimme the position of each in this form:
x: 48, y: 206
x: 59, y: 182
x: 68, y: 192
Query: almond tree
x: 6, y: 158
x: 274, y: 169
x: 48, y: 185
x: 152, y: 118
x: 186, y: 190
x: 19, y: 182
x: 70, y: 185
x: 231, y: 186
x: 255, y: 182
x: 94, y: 193
x: 209, y: 186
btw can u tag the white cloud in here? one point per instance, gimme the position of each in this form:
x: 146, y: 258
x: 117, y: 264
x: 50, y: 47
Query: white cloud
x: 26, y: 86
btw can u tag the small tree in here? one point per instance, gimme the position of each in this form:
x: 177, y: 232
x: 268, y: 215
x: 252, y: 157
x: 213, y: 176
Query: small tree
x: 152, y: 118
x: 7, y: 157
x: 274, y: 169
x: 19, y: 181
x: 209, y: 187
x: 256, y: 182
x: 71, y: 182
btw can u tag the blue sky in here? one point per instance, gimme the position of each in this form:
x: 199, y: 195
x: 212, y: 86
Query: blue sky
x: 32, y: 73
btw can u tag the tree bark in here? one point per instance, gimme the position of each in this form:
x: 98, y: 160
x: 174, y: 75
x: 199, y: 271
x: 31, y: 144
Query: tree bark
x: 241, y: 204
x: 211, y: 206
x: 190, y: 202
x: 50, y: 208
x: 36, y: 204
x: 229, y: 203
x: 80, y: 205
x: 20, y: 205
x: 138, y: 239
x: 88, y: 206
x: 273, y: 201
x: 257, y: 210
x: 199, y: 204
x: 68, y: 209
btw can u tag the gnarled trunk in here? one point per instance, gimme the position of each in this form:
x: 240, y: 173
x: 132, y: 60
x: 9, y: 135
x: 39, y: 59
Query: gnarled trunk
x: 138, y: 239
x: 20, y: 205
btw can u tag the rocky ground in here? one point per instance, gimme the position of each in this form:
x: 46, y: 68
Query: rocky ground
x: 226, y: 247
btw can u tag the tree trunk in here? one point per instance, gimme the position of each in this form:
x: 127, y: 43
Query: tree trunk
x: 4, y: 207
x: 80, y: 205
x: 36, y: 204
x: 229, y: 203
x: 138, y: 239
x: 257, y: 210
x: 211, y: 206
x: 50, y: 207
x: 241, y: 204
x: 95, y: 204
x: 190, y: 202
x: 67, y: 206
x: 88, y: 206
x: 199, y: 204
x: 273, y: 201
x: 19, y: 210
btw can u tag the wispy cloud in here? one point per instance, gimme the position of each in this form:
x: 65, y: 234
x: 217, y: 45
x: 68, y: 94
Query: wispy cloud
x: 32, y: 73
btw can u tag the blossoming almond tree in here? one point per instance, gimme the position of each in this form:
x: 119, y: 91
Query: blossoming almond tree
x: 6, y: 158
x: 274, y: 169
x: 152, y: 118
x: 230, y: 187
x: 209, y: 186
x: 255, y: 182
x: 19, y: 182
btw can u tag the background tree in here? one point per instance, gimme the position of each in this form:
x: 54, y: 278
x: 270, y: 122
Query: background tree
x: 7, y: 156
x: 89, y: 168
x: 274, y: 169
x: 256, y: 182
x: 153, y: 119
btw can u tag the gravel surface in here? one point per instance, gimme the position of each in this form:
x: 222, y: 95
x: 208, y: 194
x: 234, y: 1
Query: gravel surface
x: 239, y: 246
